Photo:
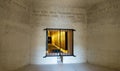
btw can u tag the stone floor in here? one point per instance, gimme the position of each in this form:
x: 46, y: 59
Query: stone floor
x: 64, y: 67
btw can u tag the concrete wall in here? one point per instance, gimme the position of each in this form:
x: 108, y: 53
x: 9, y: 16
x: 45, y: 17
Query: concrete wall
x: 1, y: 69
x: 104, y: 34
x: 14, y: 34
x: 17, y: 36
x: 21, y: 45
x: 57, y: 17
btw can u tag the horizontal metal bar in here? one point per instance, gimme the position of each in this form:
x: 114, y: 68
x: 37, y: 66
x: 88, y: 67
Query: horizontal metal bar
x: 57, y: 55
x: 59, y: 29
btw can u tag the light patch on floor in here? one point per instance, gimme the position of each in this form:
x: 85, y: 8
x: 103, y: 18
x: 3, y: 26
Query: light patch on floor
x: 64, y: 67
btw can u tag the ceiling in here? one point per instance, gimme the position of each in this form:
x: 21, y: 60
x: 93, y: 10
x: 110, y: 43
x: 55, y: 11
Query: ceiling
x: 65, y: 3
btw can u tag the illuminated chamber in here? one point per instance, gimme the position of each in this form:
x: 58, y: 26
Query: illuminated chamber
x: 59, y: 42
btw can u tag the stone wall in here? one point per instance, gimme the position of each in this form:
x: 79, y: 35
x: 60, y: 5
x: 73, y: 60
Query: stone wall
x: 104, y: 34
x: 14, y: 34
x: 23, y: 40
x: 58, y: 17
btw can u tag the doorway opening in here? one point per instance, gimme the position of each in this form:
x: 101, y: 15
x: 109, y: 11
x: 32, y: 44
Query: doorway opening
x: 59, y: 42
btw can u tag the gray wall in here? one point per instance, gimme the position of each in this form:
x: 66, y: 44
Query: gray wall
x: 57, y: 17
x: 22, y: 38
x: 14, y: 34
x: 104, y: 34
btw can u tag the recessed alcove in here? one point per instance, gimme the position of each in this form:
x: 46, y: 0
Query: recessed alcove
x: 59, y: 42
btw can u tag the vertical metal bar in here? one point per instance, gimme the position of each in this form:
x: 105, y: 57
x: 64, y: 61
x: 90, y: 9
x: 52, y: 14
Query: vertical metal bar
x: 46, y: 41
x: 72, y: 42
x: 66, y: 40
x: 60, y: 42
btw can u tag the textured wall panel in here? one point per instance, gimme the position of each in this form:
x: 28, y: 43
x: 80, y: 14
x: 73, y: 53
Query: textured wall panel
x: 52, y: 17
x: 104, y: 34
x: 14, y: 36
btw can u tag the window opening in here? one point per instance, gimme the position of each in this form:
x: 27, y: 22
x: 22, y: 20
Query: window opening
x: 59, y: 42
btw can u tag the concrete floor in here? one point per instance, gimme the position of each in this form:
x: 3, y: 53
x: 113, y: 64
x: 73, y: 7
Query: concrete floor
x: 64, y: 67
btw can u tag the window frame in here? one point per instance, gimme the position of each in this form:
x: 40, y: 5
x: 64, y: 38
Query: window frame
x: 60, y: 29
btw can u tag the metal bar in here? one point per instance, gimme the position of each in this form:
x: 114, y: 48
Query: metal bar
x: 57, y: 55
x: 72, y: 42
x: 59, y: 29
x: 60, y: 43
